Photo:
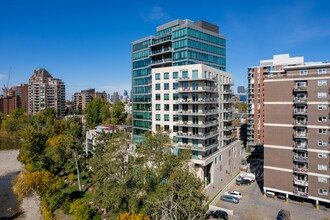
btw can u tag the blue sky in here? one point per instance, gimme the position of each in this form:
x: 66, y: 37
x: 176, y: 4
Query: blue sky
x: 88, y: 43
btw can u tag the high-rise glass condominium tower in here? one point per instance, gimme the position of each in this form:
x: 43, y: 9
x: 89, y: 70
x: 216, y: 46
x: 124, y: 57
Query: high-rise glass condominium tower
x: 176, y: 43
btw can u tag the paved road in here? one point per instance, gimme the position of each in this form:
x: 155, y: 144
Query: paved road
x: 254, y: 206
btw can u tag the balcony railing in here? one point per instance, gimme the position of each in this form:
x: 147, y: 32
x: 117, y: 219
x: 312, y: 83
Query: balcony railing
x: 300, y: 158
x: 197, y: 89
x: 300, y: 146
x: 161, y: 50
x: 300, y: 123
x: 199, y: 100
x: 199, y: 124
x: 199, y: 112
x: 161, y: 61
x: 302, y: 170
x: 300, y: 182
x: 300, y: 111
x: 302, y: 100
x: 227, y: 91
x: 299, y: 193
x: 300, y: 88
x: 197, y: 136
x: 300, y: 135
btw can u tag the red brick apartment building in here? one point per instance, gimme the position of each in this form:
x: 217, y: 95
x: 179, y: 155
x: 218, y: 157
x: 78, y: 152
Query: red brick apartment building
x: 295, y: 128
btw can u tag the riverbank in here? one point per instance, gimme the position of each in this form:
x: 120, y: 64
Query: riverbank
x: 10, y: 207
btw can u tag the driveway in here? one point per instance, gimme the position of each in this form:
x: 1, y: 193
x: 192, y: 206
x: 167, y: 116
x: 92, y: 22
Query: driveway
x: 254, y: 206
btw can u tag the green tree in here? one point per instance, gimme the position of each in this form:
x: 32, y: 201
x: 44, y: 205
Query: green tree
x: 96, y: 112
x: 15, y: 121
x: 241, y: 107
x: 117, y: 113
x: 80, y: 210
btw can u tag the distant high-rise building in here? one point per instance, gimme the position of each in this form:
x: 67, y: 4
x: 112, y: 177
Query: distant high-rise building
x: 125, y: 93
x: 115, y: 97
x: 241, y: 89
x: 46, y: 92
x: 256, y: 75
x: 179, y: 42
x: 15, y: 97
x: 81, y: 99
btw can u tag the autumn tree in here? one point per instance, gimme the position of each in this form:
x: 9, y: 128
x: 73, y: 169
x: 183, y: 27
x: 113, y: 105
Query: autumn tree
x: 80, y: 210
x: 96, y: 112
x: 241, y: 107
x: 117, y: 113
x: 42, y: 183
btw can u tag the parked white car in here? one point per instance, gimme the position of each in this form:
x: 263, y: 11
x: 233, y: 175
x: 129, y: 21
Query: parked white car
x: 249, y: 176
x: 235, y: 194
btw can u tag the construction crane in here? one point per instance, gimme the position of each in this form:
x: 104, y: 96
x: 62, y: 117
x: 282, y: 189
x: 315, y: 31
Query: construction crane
x: 5, y: 87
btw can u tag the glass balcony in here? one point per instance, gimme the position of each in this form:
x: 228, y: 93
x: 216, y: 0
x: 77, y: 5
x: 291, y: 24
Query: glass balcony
x: 300, y: 182
x: 199, y: 124
x: 301, y: 170
x: 201, y: 136
x: 300, y: 100
x: 299, y: 193
x: 300, y: 146
x: 300, y: 89
x: 197, y: 89
x: 199, y: 112
x: 197, y: 101
x: 300, y: 123
x: 300, y: 111
x: 300, y: 135
x: 300, y: 158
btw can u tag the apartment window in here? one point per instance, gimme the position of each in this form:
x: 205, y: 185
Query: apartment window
x: 166, y: 107
x: 220, y: 157
x: 175, y: 107
x: 166, y: 117
x: 322, y: 71
x: 321, y: 167
x: 166, y: 86
x: 166, y: 96
x: 322, y: 107
x: 157, y: 96
x: 175, y: 128
x: 216, y: 160
x: 303, y: 72
x: 322, y: 179
x: 158, y: 107
x: 158, y: 127
x: 322, y: 119
x: 157, y: 76
x: 175, y: 75
x: 322, y: 131
x: 166, y: 75
x: 157, y: 86
x: 322, y: 143
x: 185, y: 74
x: 157, y: 117
x: 322, y: 155
x: 321, y: 95
x: 175, y: 118
x: 322, y: 82
x: 166, y: 127
x: 175, y: 85
x: 323, y: 192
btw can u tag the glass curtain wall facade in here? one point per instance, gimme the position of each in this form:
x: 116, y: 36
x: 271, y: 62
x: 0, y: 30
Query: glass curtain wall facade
x: 176, y: 43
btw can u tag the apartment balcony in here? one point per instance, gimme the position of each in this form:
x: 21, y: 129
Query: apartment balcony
x: 300, y: 112
x: 199, y: 112
x: 228, y: 137
x: 161, y: 51
x: 228, y: 110
x: 300, y: 89
x: 199, y: 147
x: 227, y: 119
x: 227, y: 100
x: 227, y: 91
x: 300, y: 123
x: 197, y: 89
x: 299, y: 193
x: 300, y: 158
x: 161, y: 61
x: 200, y: 124
x: 161, y: 40
x: 300, y: 182
x: 300, y: 147
x: 197, y: 101
x: 210, y: 79
x: 200, y: 136
x: 228, y: 128
x: 302, y: 100
x: 300, y: 135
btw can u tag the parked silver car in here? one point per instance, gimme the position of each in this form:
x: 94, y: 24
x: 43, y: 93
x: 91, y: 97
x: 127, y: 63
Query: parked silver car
x: 231, y: 199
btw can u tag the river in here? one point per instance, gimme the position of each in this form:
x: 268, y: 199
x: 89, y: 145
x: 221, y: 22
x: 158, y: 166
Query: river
x: 9, y: 168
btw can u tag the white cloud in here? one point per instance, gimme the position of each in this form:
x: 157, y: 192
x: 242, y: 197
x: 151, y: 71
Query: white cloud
x: 156, y: 14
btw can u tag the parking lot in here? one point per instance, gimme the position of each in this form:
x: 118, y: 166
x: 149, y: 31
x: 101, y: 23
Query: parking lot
x: 254, y: 206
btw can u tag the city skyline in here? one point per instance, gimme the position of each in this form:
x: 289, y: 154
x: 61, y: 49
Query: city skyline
x: 80, y: 40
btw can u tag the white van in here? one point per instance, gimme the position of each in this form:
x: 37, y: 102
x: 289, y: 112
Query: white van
x: 270, y: 194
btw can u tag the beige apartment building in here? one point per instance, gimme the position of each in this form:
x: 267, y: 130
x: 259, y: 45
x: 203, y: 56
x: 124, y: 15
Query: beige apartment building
x: 194, y: 103
x: 46, y: 92
x: 296, y: 129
